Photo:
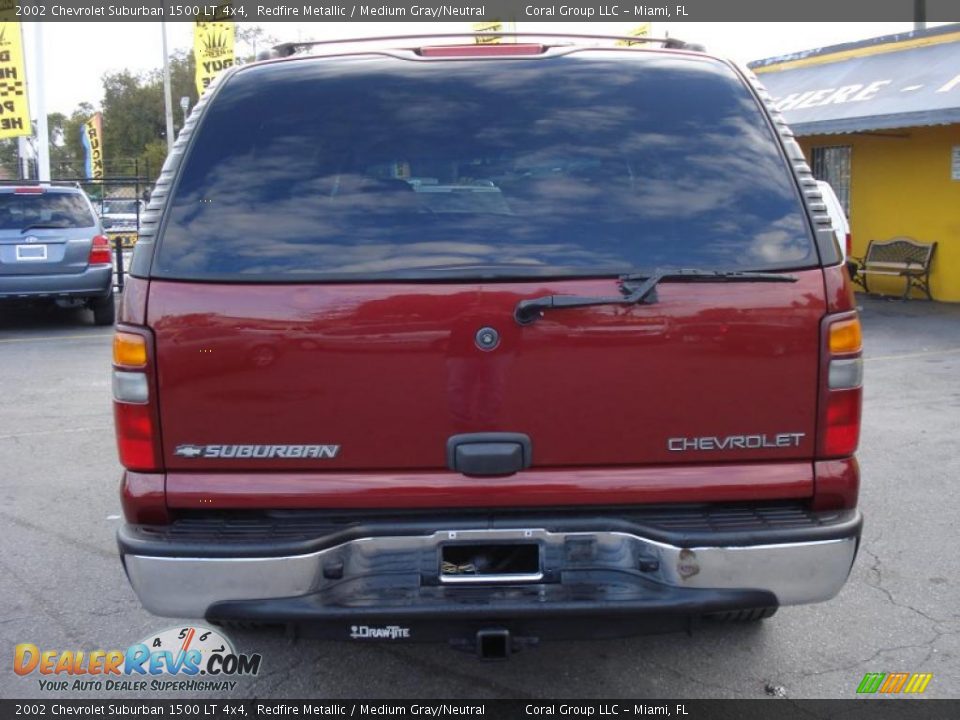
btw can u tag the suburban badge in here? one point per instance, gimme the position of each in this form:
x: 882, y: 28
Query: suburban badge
x: 258, y: 452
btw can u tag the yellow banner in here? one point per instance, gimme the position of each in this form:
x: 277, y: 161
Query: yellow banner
x: 486, y: 27
x: 212, y: 50
x: 124, y: 239
x: 640, y: 31
x: 14, y: 110
x: 92, y: 139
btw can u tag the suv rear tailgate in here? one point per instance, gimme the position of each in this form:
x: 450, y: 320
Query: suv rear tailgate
x: 387, y: 373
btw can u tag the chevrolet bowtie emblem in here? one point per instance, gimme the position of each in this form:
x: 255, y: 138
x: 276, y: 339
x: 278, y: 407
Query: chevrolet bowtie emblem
x: 190, y: 451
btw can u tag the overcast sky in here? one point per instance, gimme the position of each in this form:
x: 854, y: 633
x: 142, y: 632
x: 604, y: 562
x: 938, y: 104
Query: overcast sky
x: 78, y: 54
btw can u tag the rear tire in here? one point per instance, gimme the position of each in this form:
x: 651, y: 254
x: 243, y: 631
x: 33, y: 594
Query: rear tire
x: 104, y: 310
x: 742, y: 616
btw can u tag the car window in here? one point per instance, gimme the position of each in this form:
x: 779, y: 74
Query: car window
x: 18, y: 211
x: 120, y: 207
x: 112, y: 222
x: 385, y: 168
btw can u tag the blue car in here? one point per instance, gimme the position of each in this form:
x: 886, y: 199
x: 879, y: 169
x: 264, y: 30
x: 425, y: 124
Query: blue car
x: 52, y: 247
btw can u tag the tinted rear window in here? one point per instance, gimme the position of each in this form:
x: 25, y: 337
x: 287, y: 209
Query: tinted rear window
x: 590, y: 164
x: 120, y: 207
x: 49, y: 209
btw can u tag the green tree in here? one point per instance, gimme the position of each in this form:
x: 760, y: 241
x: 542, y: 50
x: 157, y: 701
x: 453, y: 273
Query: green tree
x: 250, y: 41
x: 72, y: 133
x: 9, y: 159
x: 134, y: 125
x: 152, y: 159
x: 65, y: 160
x: 65, y: 153
x: 132, y: 117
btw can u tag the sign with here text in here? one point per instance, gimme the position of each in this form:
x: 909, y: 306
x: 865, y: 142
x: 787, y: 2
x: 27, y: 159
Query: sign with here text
x: 14, y: 108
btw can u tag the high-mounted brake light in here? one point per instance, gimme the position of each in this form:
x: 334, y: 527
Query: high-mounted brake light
x: 493, y: 49
x: 29, y: 190
x: 100, y: 251
x: 134, y: 404
x: 841, y: 391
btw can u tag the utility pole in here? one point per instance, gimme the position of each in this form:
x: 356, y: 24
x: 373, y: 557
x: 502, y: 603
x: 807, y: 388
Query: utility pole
x: 23, y: 151
x: 167, y: 93
x: 40, y: 94
x: 185, y: 106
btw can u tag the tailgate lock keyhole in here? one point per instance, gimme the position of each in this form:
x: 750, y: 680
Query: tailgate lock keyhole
x: 487, y: 339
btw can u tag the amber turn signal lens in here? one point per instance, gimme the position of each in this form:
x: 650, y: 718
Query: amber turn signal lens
x: 129, y: 350
x: 845, y: 336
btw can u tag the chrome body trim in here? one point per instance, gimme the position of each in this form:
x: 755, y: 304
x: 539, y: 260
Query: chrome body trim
x: 796, y: 573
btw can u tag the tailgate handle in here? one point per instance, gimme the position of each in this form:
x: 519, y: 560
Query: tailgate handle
x: 489, y: 453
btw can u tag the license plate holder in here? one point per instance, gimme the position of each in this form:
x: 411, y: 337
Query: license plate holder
x: 491, y: 562
x: 31, y: 253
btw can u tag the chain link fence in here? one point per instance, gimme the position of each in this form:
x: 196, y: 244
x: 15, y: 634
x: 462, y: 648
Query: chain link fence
x: 119, y: 202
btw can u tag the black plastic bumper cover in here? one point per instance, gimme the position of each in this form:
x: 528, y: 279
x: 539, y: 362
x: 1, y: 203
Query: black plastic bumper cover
x: 584, y: 605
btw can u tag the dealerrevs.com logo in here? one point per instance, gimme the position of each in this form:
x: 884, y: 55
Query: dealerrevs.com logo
x: 176, y: 660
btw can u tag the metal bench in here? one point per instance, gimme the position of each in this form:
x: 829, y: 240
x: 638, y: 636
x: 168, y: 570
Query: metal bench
x: 901, y: 257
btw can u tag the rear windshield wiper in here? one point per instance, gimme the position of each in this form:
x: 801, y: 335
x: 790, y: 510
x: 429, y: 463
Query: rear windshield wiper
x: 44, y: 226
x: 527, y: 311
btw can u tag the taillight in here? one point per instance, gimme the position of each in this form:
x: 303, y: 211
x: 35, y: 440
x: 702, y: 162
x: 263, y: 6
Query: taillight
x: 844, y: 336
x: 129, y: 350
x: 134, y: 404
x: 841, y: 389
x: 135, y: 436
x: 100, y: 251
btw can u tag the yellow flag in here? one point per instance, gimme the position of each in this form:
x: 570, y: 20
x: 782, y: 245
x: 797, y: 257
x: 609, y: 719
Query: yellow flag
x: 212, y: 50
x: 640, y: 31
x: 14, y: 110
x: 92, y: 138
x: 486, y: 27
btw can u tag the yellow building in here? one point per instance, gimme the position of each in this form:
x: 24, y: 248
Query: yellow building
x: 880, y: 121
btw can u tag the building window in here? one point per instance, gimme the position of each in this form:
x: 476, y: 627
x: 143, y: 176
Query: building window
x: 832, y: 164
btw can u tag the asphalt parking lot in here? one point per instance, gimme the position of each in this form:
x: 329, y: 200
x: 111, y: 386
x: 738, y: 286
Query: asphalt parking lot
x: 62, y: 587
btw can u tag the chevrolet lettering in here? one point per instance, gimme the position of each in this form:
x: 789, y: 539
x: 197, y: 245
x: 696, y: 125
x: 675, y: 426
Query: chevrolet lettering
x: 736, y: 442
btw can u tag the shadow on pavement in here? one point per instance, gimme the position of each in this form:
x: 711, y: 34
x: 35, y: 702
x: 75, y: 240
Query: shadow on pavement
x: 46, y: 315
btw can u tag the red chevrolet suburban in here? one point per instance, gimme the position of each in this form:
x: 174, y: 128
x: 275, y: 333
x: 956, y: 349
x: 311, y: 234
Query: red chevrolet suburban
x: 488, y: 344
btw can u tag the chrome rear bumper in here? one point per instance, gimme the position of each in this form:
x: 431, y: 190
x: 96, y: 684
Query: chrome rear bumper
x: 791, y: 572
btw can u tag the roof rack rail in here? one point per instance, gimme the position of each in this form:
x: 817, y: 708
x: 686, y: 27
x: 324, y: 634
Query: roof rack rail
x: 30, y: 183
x: 291, y: 48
